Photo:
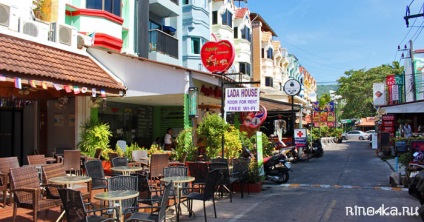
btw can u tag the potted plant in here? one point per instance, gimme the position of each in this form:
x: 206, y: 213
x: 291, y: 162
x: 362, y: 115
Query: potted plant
x: 210, y: 131
x: 95, y: 134
x: 254, y: 179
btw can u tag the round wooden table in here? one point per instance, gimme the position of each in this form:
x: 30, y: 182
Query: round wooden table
x: 126, y: 170
x: 117, y: 197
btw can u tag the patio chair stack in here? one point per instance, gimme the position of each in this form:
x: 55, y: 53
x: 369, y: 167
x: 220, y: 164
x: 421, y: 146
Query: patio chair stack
x: 27, y: 191
x: 5, y: 164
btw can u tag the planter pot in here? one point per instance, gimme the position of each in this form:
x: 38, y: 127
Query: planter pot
x: 251, y: 187
x: 106, y: 167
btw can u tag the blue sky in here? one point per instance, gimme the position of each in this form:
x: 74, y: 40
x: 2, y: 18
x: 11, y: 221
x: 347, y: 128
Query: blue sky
x: 330, y: 37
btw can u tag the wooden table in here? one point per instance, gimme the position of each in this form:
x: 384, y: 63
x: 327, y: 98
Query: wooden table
x: 117, y: 196
x: 178, y: 181
x: 127, y: 170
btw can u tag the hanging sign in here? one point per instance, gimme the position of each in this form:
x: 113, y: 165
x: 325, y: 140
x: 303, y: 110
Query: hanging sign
x: 217, y: 56
x: 292, y: 87
x: 241, y: 99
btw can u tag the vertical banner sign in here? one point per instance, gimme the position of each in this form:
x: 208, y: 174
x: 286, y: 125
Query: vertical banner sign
x: 300, y: 137
x: 324, y: 116
x: 409, y: 81
x: 400, y: 84
x: 419, y: 75
x: 259, y: 152
x: 390, y: 82
x: 379, y: 95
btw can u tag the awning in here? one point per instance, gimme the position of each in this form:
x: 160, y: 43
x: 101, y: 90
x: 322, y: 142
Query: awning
x: 275, y: 105
x: 367, y: 122
x: 32, y: 61
x: 411, y: 107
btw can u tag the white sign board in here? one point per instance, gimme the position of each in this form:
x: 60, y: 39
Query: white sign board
x: 379, y: 94
x: 241, y: 99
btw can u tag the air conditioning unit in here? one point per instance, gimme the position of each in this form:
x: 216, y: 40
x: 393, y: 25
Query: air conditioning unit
x: 84, y: 40
x: 9, y: 17
x: 64, y: 34
x: 36, y: 29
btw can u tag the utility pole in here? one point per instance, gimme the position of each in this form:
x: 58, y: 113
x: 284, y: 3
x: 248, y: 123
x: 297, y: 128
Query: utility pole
x: 411, y: 55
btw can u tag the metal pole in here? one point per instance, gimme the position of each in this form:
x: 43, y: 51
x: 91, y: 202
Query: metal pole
x: 293, y: 119
x: 411, y: 55
x: 222, y: 114
x: 335, y: 114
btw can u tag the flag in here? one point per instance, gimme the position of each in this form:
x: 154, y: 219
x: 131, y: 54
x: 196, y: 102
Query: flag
x: 44, y: 85
x: 58, y: 87
x: 2, y: 78
x: 103, y: 93
x: 68, y: 89
x: 18, y: 83
x: 84, y: 89
x: 76, y: 90
x: 93, y: 92
x: 32, y: 83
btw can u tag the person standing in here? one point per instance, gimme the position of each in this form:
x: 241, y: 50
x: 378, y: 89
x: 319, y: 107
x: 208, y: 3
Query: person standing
x: 168, y: 140
x: 407, y: 130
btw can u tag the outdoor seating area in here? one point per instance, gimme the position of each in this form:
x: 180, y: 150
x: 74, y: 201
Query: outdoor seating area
x: 83, y: 191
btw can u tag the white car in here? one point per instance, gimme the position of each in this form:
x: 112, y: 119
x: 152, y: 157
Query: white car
x: 355, y: 134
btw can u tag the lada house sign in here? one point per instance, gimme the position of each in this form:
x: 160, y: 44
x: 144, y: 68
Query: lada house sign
x: 241, y: 99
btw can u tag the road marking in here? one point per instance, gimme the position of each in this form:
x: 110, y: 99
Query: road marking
x: 327, y: 186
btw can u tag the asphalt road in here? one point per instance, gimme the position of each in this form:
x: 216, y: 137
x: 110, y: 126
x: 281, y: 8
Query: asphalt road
x: 349, y: 183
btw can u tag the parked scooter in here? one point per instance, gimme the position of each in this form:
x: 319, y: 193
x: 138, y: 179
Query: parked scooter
x: 276, y: 167
x: 317, y: 150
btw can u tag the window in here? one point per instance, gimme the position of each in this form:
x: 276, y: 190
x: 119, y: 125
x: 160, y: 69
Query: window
x: 227, y: 18
x: 245, y: 33
x: 269, y: 54
x: 195, y: 45
x: 186, y: 2
x: 236, y: 32
x: 244, y: 68
x: 263, y: 53
x: 112, y: 6
x: 269, y: 81
x: 214, y: 17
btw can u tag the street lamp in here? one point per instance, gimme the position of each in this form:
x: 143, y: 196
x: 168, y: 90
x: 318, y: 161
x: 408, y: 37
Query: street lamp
x: 334, y: 98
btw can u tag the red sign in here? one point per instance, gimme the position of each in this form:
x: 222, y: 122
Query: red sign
x: 254, y: 119
x: 218, y: 56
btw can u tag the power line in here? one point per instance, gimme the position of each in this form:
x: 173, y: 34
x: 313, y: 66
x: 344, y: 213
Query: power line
x: 420, y: 29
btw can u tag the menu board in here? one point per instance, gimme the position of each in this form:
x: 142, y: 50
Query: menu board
x: 145, y: 122
x: 388, y: 124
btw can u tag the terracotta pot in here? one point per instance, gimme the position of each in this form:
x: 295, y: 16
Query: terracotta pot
x: 106, y: 167
x: 252, y: 187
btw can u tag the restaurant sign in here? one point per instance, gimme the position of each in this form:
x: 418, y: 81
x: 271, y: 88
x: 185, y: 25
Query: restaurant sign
x: 217, y: 56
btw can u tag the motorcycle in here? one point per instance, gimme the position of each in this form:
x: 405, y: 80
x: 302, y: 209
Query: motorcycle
x: 277, y: 168
x: 317, y: 150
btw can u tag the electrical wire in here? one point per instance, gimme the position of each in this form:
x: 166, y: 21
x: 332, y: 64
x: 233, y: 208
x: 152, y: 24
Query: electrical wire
x: 421, y: 29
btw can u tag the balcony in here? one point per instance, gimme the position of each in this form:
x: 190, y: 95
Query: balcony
x: 164, y: 43
x: 164, y: 8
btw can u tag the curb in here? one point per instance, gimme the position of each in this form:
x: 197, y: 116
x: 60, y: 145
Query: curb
x: 297, y: 185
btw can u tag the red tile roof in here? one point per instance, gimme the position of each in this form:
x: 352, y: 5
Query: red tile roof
x: 27, y: 59
x: 240, y: 12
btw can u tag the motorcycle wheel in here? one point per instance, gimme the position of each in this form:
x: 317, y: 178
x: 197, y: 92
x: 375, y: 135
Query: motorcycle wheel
x: 283, y: 177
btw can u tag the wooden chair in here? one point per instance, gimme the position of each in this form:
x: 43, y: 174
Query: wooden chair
x: 27, y: 191
x: 72, y: 161
x: 36, y: 159
x: 157, y: 163
x: 57, y: 170
x: 97, y: 155
x: 5, y: 164
x: 112, y: 155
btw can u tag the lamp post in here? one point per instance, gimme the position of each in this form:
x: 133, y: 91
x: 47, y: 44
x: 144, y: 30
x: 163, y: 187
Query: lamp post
x: 334, y: 98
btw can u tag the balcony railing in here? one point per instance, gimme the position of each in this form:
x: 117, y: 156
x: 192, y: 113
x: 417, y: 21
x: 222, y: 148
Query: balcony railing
x: 164, y: 43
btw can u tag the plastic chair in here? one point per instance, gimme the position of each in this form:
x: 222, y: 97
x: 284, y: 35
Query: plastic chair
x: 161, y: 209
x: 94, y: 169
x: 27, y: 191
x: 198, y: 170
x: 140, y: 157
x: 75, y: 209
x: 122, y: 144
x: 207, y: 194
x: 124, y: 183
